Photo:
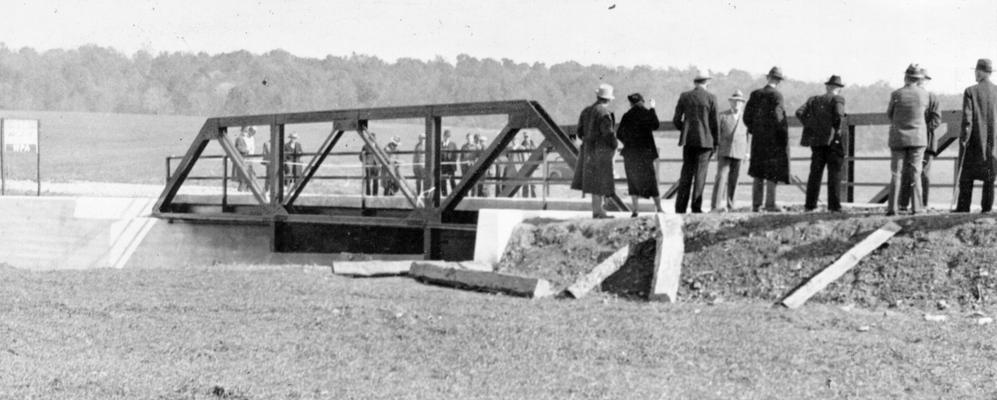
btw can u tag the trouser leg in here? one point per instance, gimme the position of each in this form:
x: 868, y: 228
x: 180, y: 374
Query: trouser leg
x: 732, y: 175
x: 835, y: 160
x: 906, y: 187
x: 757, y: 193
x: 720, y: 183
x: 965, y: 195
x: 818, y: 158
x: 770, y: 187
x: 914, y: 156
x: 689, y: 164
x: 702, y: 166
x: 896, y: 171
x: 925, y: 179
x: 987, y: 202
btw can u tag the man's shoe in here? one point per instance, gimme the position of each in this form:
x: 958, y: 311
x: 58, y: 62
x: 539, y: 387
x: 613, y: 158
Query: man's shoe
x: 633, y: 214
x: 775, y: 209
x: 601, y: 216
x: 891, y: 213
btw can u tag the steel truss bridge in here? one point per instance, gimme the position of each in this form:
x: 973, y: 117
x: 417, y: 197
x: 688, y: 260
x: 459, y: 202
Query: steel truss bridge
x: 427, y: 223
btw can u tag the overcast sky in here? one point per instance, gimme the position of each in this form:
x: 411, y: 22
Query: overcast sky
x: 862, y: 40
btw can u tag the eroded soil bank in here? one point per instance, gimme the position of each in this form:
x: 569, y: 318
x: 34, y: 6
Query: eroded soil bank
x: 936, y: 257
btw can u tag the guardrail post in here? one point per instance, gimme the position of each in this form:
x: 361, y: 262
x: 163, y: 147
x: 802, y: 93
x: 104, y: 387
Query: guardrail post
x: 224, y: 182
x: 850, y: 165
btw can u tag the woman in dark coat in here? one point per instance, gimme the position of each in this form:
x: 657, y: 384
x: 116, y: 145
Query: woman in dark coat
x: 594, y: 169
x: 639, y: 151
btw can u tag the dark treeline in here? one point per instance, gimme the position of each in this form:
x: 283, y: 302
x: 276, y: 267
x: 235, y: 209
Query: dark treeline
x: 99, y: 79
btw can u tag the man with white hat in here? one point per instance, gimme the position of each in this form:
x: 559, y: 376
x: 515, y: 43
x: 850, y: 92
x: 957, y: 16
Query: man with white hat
x: 732, y: 147
x: 821, y: 117
x: 765, y: 117
x: 977, y: 139
x: 698, y: 122
x: 594, y: 170
x: 391, y: 150
x: 908, y: 137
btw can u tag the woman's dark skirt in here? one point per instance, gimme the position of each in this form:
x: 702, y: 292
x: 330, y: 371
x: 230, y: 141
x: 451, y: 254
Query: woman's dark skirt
x: 642, y: 181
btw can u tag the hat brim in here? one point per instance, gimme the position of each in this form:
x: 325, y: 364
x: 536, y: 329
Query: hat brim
x: 841, y: 85
x: 607, y: 97
x: 742, y: 99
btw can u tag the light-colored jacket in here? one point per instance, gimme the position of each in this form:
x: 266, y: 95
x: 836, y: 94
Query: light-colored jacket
x: 906, y: 113
x: 733, y: 136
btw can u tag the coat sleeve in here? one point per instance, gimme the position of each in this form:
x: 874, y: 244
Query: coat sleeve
x: 714, y: 122
x: 748, y: 116
x: 967, y: 116
x: 803, y: 113
x: 839, y: 113
x: 932, y: 117
x: 606, y: 127
x: 651, y: 121
x: 890, y: 107
x: 679, y: 118
x: 780, y: 119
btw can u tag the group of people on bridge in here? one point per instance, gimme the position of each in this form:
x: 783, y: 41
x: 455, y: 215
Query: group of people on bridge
x: 756, y: 129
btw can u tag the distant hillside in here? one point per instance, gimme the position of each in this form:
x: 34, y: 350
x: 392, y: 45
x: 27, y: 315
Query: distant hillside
x: 99, y: 79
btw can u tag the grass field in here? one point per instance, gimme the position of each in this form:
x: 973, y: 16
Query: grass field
x: 252, y: 333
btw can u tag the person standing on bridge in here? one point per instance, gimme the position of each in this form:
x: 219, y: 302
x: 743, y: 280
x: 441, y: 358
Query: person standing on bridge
x: 594, y: 169
x: 636, y: 132
x: 391, y: 152
x: 732, y: 147
x: 933, y: 119
x: 908, y: 137
x: 292, y: 159
x: 821, y: 117
x: 522, y: 155
x: 698, y: 121
x: 371, y: 172
x: 468, y: 152
x: 765, y: 117
x: 418, y: 163
x: 976, y: 140
x: 448, y: 163
x: 245, y: 144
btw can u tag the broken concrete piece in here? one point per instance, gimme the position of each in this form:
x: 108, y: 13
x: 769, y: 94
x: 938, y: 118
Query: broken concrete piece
x: 598, y: 274
x: 447, y: 274
x: 834, y: 271
x: 668, y: 255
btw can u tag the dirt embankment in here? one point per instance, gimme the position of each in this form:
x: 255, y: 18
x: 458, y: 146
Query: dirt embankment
x: 942, y: 257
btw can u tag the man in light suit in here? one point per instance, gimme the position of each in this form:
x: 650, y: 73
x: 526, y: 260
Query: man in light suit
x: 908, y: 137
x: 698, y: 121
x: 731, y: 149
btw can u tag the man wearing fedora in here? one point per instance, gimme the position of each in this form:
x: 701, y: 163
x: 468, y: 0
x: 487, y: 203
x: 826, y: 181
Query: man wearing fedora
x: 932, y: 119
x: 732, y: 146
x: 976, y: 140
x: 292, y: 159
x: 765, y: 117
x: 908, y: 137
x: 594, y: 170
x: 697, y: 120
x: 821, y: 117
x: 391, y: 151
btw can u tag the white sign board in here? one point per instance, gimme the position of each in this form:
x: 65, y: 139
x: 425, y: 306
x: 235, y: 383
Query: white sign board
x: 20, y: 135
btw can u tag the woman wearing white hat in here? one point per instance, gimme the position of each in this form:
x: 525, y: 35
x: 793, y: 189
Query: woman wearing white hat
x: 594, y: 170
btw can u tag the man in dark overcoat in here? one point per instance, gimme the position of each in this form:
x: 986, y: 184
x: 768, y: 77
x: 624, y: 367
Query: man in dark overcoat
x: 636, y: 132
x: 698, y: 121
x: 594, y: 170
x: 821, y: 117
x: 977, y: 148
x: 765, y: 117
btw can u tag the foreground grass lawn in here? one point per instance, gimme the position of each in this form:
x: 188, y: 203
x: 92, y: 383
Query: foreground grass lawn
x: 298, y: 333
